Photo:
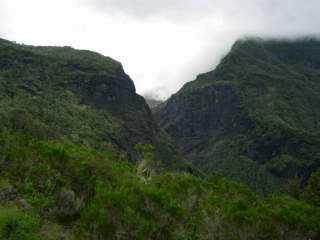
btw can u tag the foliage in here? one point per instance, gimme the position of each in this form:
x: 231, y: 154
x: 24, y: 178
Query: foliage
x: 85, y: 194
x: 15, y: 224
x: 63, y: 178
x: 71, y: 95
x: 255, y: 118
x: 312, y: 192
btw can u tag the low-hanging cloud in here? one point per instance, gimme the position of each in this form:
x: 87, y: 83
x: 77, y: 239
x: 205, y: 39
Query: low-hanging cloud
x: 174, y: 9
x: 266, y: 16
x: 218, y: 24
x: 161, y: 43
x: 3, y: 18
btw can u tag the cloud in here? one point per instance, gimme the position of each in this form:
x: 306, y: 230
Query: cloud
x: 144, y: 9
x: 161, y: 43
x: 213, y: 26
x: 189, y: 9
x: 3, y: 19
x: 262, y: 16
x: 182, y: 9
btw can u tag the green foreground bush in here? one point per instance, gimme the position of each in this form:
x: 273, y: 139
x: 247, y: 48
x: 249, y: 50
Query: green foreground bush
x: 50, y: 190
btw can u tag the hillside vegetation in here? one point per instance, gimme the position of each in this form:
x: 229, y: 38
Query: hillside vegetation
x: 82, y: 158
x: 63, y: 93
x: 50, y: 190
x: 255, y: 118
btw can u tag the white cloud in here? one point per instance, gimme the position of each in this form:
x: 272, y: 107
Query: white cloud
x: 161, y: 43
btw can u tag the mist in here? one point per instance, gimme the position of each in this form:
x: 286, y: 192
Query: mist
x: 162, y: 44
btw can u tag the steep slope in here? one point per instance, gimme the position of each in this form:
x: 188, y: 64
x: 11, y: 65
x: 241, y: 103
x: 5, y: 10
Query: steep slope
x: 58, y: 103
x: 256, y: 117
x: 79, y: 96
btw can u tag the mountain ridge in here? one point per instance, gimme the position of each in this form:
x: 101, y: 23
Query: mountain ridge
x: 81, y: 157
x: 259, y: 104
x: 87, y: 84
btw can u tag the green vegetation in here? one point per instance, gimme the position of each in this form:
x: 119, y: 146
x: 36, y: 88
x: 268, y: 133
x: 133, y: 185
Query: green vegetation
x: 311, y: 193
x: 71, y: 126
x: 16, y: 224
x: 50, y: 190
x: 38, y: 96
x: 263, y: 104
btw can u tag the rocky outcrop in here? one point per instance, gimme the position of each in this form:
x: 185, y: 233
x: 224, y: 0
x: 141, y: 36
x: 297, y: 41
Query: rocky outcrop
x: 194, y: 118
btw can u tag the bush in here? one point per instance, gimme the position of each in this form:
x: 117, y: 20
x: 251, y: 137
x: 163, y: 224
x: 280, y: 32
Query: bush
x: 17, y: 225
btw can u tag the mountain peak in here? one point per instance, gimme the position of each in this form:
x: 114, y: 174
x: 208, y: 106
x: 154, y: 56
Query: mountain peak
x: 257, y: 109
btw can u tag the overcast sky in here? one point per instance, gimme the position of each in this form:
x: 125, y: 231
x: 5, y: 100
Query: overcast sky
x: 161, y: 43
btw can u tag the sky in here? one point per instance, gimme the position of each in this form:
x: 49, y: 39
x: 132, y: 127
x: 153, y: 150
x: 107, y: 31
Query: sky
x: 161, y: 44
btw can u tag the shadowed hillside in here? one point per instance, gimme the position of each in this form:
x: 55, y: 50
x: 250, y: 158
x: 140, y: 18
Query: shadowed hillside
x: 256, y: 117
x: 82, y: 158
x: 63, y: 93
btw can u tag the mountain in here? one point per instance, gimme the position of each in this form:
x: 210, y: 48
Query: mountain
x: 74, y: 95
x: 256, y: 117
x: 82, y: 158
x: 152, y: 102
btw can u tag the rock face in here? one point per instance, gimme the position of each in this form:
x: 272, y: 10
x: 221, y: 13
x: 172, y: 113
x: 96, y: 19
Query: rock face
x: 256, y: 117
x: 194, y: 118
x: 70, y: 94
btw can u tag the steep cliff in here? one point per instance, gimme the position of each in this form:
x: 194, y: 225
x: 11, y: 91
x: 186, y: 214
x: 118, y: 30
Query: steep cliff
x: 256, y: 117
x: 60, y: 107
x: 79, y: 96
